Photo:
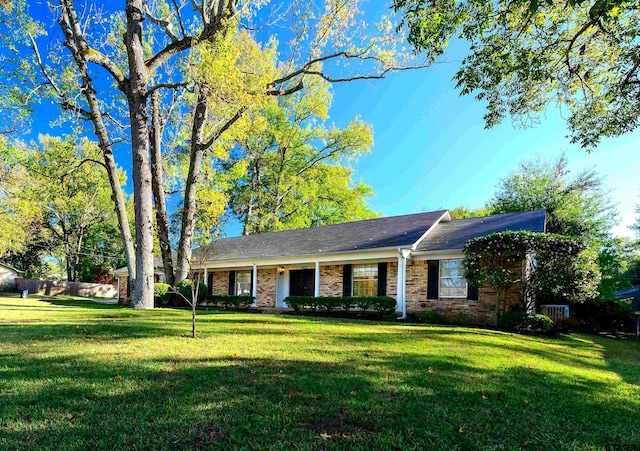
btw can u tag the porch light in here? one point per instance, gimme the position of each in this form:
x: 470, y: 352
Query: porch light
x: 280, y: 269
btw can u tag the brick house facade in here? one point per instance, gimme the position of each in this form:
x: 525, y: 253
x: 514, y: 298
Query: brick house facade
x: 415, y: 259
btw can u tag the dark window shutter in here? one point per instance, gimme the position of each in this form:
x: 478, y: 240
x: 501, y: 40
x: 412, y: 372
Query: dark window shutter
x: 251, y: 284
x: 433, y: 269
x: 232, y: 283
x: 210, y: 283
x: 382, y: 279
x: 346, y: 280
x: 472, y: 292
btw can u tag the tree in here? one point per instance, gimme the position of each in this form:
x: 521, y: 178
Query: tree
x: 298, y: 171
x: 577, y: 206
x: 464, y: 212
x: 30, y: 255
x: 616, y: 260
x: 69, y: 189
x: 154, y: 52
x: 554, y: 267
x: 526, y: 54
x: 19, y: 215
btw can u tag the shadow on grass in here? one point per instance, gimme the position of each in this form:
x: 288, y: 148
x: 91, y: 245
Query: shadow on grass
x: 385, y: 400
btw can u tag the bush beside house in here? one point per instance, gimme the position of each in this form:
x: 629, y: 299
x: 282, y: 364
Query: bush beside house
x: 382, y: 304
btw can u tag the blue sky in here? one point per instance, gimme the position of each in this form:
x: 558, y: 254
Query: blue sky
x: 431, y: 149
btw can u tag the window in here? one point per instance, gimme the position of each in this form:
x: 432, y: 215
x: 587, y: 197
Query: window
x: 365, y: 280
x: 452, y: 281
x: 243, y: 283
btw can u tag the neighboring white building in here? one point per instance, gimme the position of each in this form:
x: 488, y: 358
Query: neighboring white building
x: 7, y: 276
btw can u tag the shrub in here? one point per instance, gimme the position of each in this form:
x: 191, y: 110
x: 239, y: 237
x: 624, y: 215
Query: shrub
x: 431, y: 317
x: 227, y: 300
x: 185, y: 289
x: 348, y: 303
x: 160, y: 290
x: 598, y: 316
x: 300, y: 302
x: 524, y: 322
x: 512, y: 320
x: 161, y: 294
x: 329, y: 303
x: 382, y: 303
x: 537, y: 324
x: 563, y: 325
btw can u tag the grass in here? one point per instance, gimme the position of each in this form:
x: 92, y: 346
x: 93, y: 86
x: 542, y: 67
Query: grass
x: 80, y: 375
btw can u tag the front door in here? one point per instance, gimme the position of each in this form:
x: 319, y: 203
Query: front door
x: 301, y: 282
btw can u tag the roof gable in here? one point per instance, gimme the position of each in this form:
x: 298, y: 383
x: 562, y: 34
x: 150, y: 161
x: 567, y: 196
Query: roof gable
x: 453, y: 235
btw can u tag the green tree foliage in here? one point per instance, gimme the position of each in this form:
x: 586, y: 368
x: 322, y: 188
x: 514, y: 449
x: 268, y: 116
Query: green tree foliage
x: 67, y: 188
x: 577, y: 205
x: 195, y: 65
x: 19, y: 214
x: 297, y: 169
x: 527, y: 54
x: 617, y: 261
x: 538, y: 265
x: 464, y: 212
x: 30, y: 255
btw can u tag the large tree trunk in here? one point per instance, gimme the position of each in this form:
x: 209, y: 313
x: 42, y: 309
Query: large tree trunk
x: 189, y: 209
x: 157, y: 180
x: 142, y: 192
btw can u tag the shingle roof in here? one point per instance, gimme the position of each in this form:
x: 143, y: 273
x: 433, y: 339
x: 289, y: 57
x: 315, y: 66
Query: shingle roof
x: 453, y: 235
x: 393, y: 231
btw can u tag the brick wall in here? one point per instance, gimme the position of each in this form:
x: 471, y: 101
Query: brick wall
x: 331, y: 280
x: 392, y: 279
x: 266, y: 288
x: 123, y: 283
x: 220, y: 282
x: 481, y: 311
x: 416, y: 283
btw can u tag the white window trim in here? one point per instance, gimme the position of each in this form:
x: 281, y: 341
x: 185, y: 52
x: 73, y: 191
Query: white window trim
x: 466, y: 296
x: 353, y: 267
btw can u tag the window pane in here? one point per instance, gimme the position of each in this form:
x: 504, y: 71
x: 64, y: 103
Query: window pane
x: 243, y: 283
x: 452, y: 281
x: 365, y: 280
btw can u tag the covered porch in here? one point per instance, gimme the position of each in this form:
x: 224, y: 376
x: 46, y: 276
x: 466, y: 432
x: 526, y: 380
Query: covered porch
x: 270, y: 283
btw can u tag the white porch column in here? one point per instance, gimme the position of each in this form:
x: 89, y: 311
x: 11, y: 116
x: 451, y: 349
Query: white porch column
x: 206, y: 277
x: 400, y: 284
x: 402, y: 281
x: 316, y: 291
x: 254, y: 287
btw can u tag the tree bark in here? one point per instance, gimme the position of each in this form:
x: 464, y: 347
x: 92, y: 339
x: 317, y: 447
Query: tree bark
x: 141, y: 169
x: 189, y: 209
x: 157, y: 180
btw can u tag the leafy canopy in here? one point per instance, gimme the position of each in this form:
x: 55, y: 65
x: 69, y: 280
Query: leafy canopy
x: 528, y: 54
x: 555, y: 266
x: 576, y: 205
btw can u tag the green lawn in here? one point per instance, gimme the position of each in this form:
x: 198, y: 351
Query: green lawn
x: 79, y: 375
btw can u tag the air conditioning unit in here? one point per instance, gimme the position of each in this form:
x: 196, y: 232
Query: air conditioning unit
x: 555, y: 311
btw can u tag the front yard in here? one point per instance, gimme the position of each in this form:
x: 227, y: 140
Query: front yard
x: 79, y: 375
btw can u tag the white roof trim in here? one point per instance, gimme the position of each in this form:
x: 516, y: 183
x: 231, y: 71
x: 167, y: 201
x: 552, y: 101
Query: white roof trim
x: 446, y: 217
x: 344, y: 257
